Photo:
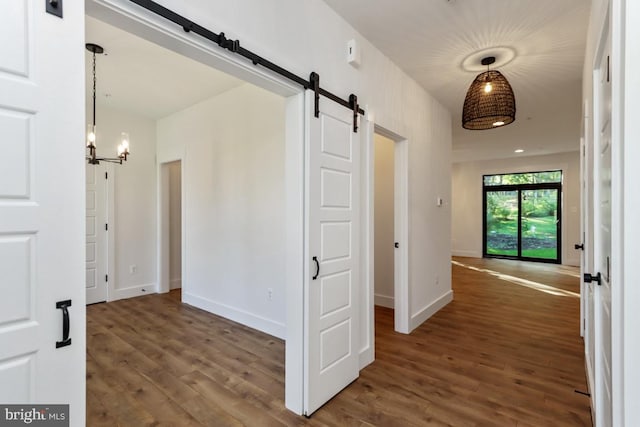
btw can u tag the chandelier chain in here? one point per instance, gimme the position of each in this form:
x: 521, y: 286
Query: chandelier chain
x: 94, y: 88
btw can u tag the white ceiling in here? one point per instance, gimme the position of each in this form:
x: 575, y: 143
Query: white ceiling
x: 430, y: 40
x: 143, y: 78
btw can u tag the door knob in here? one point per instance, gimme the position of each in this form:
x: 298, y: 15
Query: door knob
x: 579, y: 246
x: 588, y: 278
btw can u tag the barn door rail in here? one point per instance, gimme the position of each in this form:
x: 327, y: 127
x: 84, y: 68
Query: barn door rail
x: 234, y: 46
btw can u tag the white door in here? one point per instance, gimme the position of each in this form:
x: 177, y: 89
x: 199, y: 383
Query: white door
x: 42, y: 205
x: 96, y: 241
x: 602, y: 234
x: 332, y: 278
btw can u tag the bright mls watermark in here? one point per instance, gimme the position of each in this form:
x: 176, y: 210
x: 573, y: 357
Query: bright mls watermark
x: 34, y: 415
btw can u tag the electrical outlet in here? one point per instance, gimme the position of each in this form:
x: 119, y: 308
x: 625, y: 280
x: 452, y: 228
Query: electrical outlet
x: 270, y: 294
x: 133, y: 269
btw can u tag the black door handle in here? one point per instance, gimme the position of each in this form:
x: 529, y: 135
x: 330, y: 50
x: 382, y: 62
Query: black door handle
x: 315, y: 258
x: 396, y: 245
x: 64, y: 305
x: 579, y: 246
x: 588, y: 278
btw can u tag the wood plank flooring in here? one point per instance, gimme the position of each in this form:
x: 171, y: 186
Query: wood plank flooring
x: 505, y: 352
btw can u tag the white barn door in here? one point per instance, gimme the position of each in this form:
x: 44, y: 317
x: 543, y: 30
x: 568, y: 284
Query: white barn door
x: 332, y: 275
x: 42, y: 205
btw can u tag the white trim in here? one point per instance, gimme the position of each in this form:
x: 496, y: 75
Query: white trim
x: 468, y: 254
x: 259, y: 323
x: 429, y: 310
x: 383, y: 301
x: 401, y: 225
x: 111, y: 232
x: 162, y: 231
x: 175, y: 284
x: 134, y: 291
x: 295, y: 252
x: 617, y: 65
x: 401, y: 231
x: 145, y: 24
x: 574, y: 262
x: 367, y: 313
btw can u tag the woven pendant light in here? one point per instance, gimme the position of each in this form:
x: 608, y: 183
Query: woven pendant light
x: 489, y: 102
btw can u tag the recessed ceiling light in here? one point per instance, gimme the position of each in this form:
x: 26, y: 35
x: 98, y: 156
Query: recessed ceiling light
x: 519, y: 150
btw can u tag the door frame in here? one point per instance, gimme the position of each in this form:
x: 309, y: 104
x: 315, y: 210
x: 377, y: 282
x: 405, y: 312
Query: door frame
x: 163, y: 256
x: 402, y: 317
x: 138, y: 21
x: 519, y: 188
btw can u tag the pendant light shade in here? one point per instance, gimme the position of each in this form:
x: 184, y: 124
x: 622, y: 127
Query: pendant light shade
x: 489, y: 102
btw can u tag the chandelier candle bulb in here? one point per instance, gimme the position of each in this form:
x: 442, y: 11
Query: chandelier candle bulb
x: 91, y: 136
x: 125, y: 142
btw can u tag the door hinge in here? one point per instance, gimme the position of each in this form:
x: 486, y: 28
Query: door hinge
x: 106, y: 227
x: 608, y: 77
x: 106, y: 175
x: 106, y: 277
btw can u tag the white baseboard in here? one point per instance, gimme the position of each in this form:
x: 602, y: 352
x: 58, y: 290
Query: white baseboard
x: 175, y: 284
x: 574, y: 262
x: 468, y: 254
x: 134, y: 291
x: 421, y: 316
x: 248, y: 319
x: 383, y: 300
x: 366, y: 356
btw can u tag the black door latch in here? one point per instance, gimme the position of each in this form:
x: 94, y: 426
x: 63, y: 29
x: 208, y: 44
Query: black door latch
x: 588, y: 278
x: 64, y: 305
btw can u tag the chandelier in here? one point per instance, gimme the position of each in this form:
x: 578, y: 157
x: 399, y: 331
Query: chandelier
x: 489, y: 102
x: 123, y: 147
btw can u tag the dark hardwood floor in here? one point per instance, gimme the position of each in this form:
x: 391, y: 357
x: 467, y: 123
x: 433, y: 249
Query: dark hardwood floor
x: 505, y: 352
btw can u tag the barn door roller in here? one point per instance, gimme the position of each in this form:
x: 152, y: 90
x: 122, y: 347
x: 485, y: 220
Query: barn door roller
x: 234, y: 46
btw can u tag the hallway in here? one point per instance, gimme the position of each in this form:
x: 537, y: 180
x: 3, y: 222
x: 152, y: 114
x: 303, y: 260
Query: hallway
x: 504, y: 352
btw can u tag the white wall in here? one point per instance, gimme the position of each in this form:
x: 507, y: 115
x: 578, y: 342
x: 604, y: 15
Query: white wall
x: 466, y: 238
x: 384, y: 221
x: 175, y: 225
x: 134, y: 224
x: 233, y: 171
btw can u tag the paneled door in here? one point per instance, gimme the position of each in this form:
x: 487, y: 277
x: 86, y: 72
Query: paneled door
x: 602, y: 235
x: 332, y: 277
x: 42, y: 206
x: 96, y: 258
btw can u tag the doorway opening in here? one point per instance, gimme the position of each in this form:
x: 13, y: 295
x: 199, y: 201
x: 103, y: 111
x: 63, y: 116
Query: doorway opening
x: 205, y: 193
x: 390, y: 237
x: 170, y: 226
x: 522, y: 216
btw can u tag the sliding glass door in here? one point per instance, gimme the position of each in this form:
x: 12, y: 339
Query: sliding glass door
x: 522, y: 216
x: 540, y: 224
